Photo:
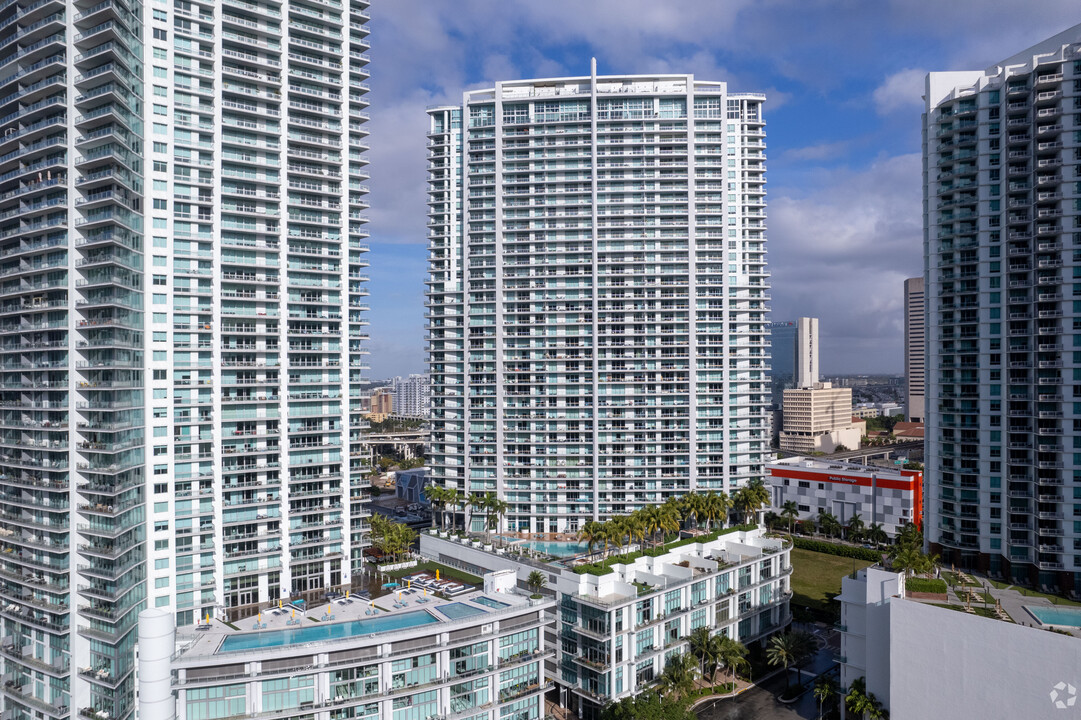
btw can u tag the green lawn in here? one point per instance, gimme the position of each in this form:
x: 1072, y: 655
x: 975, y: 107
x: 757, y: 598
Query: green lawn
x: 816, y: 578
x: 445, y: 573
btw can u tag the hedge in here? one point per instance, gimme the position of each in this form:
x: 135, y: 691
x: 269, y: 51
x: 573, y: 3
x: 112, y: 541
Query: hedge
x: 603, y: 567
x: 924, y: 585
x: 847, y: 551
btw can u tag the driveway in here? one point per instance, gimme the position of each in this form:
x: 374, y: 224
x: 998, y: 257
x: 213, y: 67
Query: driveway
x: 760, y: 703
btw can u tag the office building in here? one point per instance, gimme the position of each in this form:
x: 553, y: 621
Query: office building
x: 783, y: 358
x: 181, y: 289
x: 884, y: 496
x: 805, y: 364
x: 983, y: 667
x: 618, y: 630
x: 480, y: 655
x: 1000, y: 236
x: 597, y: 294
x: 819, y: 419
x: 382, y: 404
x: 915, y: 349
x: 413, y: 396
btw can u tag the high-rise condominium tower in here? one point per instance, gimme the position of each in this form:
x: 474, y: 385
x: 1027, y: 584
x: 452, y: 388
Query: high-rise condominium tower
x: 181, y: 297
x: 1001, y: 241
x: 915, y: 349
x: 598, y: 294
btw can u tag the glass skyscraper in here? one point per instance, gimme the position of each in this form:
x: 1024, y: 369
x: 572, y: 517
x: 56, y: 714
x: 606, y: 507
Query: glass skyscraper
x: 181, y: 325
x: 598, y: 294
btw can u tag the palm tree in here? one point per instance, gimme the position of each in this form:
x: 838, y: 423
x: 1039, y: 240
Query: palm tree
x: 701, y: 644
x: 909, y: 560
x: 497, y: 508
x: 772, y: 520
x: 876, y: 535
x: 475, y: 502
x: 782, y: 651
x: 855, y: 528
x: 593, y: 534
x: 451, y: 500
x: 635, y: 527
x: 674, y: 507
x: 749, y: 498
x: 732, y: 654
x: 435, y: 495
x: 617, y: 529
x: 691, y: 506
x: 536, y: 581
x: 828, y: 524
x: 790, y: 510
x: 678, y: 676
x: 653, y: 519
x: 714, y: 507
x: 857, y: 701
x: 909, y: 535
x: 825, y: 689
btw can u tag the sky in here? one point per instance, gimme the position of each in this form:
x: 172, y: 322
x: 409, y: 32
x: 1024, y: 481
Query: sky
x: 843, y: 80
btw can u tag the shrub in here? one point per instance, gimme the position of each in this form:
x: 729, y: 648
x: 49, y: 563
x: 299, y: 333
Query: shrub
x: 840, y: 550
x: 923, y: 585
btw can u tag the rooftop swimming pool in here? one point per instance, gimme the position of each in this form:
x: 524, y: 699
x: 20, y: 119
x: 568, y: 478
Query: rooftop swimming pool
x: 482, y: 600
x: 1064, y: 616
x: 322, y: 632
x: 459, y: 610
x: 554, y: 547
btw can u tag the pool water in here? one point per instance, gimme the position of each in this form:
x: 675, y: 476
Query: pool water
x: 326, y: 631
x: 1065, y: 616
x: 459, y: 610
x: 489, y: 602
x: 552, y: 547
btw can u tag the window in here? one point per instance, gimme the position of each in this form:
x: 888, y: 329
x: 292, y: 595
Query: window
x: 160, y: 34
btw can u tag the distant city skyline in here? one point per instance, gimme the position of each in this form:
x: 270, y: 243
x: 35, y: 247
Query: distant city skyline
x: 842, y: 116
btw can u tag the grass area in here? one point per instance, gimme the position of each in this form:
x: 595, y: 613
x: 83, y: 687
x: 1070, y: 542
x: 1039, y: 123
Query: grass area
x: 816, y: 578
x: 229, y: 625
x: 721, y: 689
x: 445, y: 573
x: 954, y: 579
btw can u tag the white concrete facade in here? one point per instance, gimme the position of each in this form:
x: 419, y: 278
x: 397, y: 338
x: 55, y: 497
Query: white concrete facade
x: 915, y: 349
x: 1001, y: 218
x: 617, y: 630
x: 806, y: 362
x: 181, y: 254
x: 598, y: 294
x: 818, y: 419
x: 480, y: 656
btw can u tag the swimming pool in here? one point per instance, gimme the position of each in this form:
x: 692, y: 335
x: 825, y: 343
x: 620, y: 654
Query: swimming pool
x: 459, y: 610
x: 326, y: 631
x: 482, y: 600
x: 553, y: 547
x: 1065, y: 616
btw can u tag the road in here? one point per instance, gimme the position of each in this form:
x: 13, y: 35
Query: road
x: 760, y: 703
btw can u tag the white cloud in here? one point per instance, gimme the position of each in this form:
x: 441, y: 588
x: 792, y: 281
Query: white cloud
x: 841, y: 253
x: 903, y: 90
x: 819, y: 151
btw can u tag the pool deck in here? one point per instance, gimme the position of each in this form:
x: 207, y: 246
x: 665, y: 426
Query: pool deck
x: 206, y: 640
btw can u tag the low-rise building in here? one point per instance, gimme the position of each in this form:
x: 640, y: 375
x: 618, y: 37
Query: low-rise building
x: 479, y: 656
x: 619, y: 628
x: 921, y: 660
x: 887, y: 496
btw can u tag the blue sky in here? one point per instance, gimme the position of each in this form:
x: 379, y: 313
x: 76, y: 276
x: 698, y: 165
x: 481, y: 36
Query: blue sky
x: 843, y: 80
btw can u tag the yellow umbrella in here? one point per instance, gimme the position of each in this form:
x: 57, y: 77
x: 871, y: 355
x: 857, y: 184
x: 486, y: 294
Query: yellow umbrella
x: 409, y: 583
x: 347, y: 593
x: 294, y: 613
x: 260, y: 616
x: 437, y: 573
x: 279, y: 604
x: 207, y: 617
